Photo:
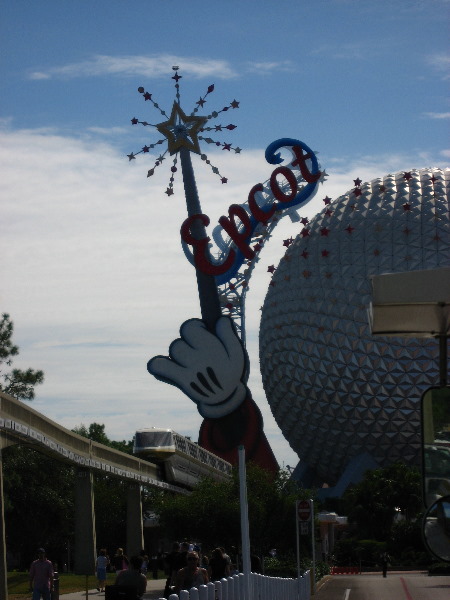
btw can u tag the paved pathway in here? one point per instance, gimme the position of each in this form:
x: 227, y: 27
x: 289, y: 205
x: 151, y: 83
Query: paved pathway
x: 155, y: 589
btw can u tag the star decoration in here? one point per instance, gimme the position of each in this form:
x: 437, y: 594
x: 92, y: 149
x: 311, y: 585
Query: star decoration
x: 349, y: 229
x: 407, y: 175
x: 304, y: 220
x: 327, y: 200
x: 288, y: 242
x: 328, y: 212
x: 324, y: 231
x: 357, y: 182
x: 306, y: 274
x: 325, y: 253
x: 407, y: 206
x: 182, y: 131
x: 304, y: 232
x: 305, y: 254
x: 357, y: 192
x: 271, y: 269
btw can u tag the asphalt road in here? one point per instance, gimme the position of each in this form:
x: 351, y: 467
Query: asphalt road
x: 396, y: 586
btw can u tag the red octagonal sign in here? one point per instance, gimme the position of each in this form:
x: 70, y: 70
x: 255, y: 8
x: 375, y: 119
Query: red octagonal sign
x: 304, y: 510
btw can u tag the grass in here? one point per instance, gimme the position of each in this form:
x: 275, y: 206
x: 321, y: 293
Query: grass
x: 18, y: 583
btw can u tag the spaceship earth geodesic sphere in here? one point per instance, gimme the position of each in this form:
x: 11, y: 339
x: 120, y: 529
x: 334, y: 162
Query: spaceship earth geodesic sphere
x: 336, y: 391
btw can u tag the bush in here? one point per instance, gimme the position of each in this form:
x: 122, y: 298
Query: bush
x: 439, y: 569
x: 287, y: 567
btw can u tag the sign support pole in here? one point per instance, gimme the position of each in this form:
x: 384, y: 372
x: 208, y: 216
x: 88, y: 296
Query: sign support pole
x: 313, y: 570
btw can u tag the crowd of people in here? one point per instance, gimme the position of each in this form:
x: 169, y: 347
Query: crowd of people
x: 185, y: 565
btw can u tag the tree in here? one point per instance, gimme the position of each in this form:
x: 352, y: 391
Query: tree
x: 383, y: 494
x: 16, y: 382
x: 96, y: 433
x: 211, y: 513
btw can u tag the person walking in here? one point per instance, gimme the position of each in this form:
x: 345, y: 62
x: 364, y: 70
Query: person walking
x: 41, y: 577
x: 385, y: 559
x: 101, y: 565
x: 120, y: 561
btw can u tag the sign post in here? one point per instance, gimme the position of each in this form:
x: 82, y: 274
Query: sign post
x: 304, y: 516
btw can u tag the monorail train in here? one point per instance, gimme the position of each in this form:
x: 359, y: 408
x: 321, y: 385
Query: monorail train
x: 183, y: 461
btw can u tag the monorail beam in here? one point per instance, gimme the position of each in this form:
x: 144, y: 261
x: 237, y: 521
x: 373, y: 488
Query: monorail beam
x: 85, y: 540
x: 135, y: 529
x: 3, y: 568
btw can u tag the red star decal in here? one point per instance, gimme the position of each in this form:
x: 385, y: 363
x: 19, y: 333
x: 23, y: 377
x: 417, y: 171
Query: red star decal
x: 224, y: 180
x: 169, y: 191
x: 305, y: 254
x: 272, y: 283
x: 304, y: 232
x: 304, y: 220
x: 381, y: 189
x: 407, y: 206
x: 325, y: 253
x: 327, y: 200
x: 306, y: 274
x: 148, y: 96
x: 328, y: 212
x: 357, y: 192
x: 353, y: 206
x: 325, y: 231
x: 226, y: 147
x: 433, y: 179
x: 134, y: 121
x: 218, y: 128
x: 234, y: 104
x: 349, y: 229
x: 229, y: 306
x: 357, y: 182
x: 201, y: 102
x: 177, y: 77
x: 407, y: 175
x: 232, y: 286
x: 145, y: 149
x: 287, y: 242
x: 271, y: 269
x: 407, y: 231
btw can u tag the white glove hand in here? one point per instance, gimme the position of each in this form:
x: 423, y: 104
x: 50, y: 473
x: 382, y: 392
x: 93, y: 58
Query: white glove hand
x: 206, y: 367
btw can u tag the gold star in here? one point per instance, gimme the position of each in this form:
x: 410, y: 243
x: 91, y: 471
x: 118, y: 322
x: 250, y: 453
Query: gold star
x: 181, y: 130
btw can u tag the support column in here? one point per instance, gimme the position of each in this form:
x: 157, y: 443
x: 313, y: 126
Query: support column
x: 3, y: 567
x: 85, y: 540
x: 135, y: 528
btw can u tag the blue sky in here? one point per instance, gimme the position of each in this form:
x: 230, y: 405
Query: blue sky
x: 92, y: 272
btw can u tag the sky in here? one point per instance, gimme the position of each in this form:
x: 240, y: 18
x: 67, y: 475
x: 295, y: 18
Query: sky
x: 92, y: 272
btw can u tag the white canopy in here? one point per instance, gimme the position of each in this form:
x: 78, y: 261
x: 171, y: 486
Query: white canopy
x: 411, y: 304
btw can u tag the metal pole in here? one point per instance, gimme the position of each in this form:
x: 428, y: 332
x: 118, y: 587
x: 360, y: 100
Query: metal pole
x: 245, y: 534
x: 207, y: 289
x: 443, y: 360
x: 313, y: 575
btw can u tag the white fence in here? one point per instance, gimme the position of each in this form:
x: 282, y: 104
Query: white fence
x: 262, y: 588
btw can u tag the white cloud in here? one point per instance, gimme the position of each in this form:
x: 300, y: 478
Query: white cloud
x: 266, y: 68
x: 96, y: 283
x: 151, y: 66
x: 441, y: 63
x: 438, y: 115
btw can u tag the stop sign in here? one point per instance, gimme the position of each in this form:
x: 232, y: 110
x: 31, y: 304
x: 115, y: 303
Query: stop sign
x: 304, y: 510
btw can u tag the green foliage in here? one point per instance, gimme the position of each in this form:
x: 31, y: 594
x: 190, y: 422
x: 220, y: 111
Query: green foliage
x: 39, y: 500
x: 211, y: 513
x: 96, y: 433
x: 16, y: 382
x: 373, y: 504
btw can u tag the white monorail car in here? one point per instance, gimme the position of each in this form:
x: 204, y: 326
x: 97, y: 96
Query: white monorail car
x: 184, y: 462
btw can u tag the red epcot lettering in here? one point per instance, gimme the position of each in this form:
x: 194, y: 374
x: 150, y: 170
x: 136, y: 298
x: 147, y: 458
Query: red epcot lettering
x: 238, y: 237
x: 275, y: 187
x: 200, y: 248
x: 260, y: 215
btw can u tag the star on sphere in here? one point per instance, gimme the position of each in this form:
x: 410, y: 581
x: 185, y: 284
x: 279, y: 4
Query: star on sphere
x: 181, y: 130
